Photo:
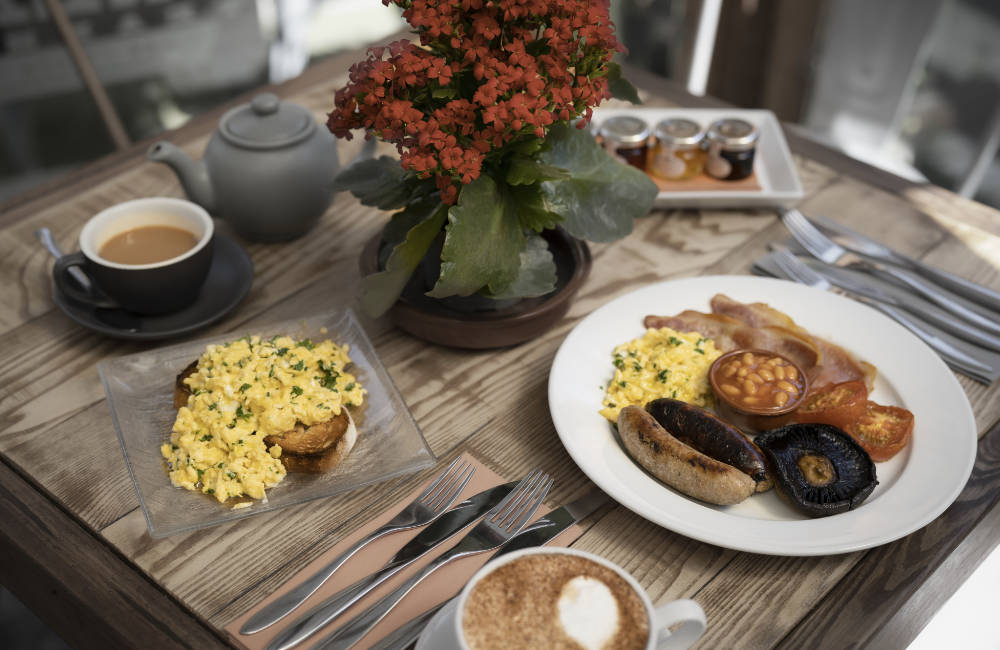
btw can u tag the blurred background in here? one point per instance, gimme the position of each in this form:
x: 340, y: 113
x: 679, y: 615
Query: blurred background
x: 910, y: 86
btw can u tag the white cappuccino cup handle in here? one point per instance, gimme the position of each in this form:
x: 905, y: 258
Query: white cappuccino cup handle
x: 688, y: 614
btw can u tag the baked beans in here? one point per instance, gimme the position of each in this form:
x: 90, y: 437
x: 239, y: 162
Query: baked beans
x: 759, y: 381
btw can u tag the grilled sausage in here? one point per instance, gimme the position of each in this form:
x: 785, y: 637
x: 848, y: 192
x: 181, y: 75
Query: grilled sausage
x: 711, y: 436
x: 678, y: 465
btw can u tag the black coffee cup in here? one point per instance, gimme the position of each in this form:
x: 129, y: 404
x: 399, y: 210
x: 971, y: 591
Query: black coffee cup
x: 156, y: 288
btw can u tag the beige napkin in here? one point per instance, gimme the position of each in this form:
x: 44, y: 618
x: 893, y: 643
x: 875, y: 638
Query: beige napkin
x: 434, y: 590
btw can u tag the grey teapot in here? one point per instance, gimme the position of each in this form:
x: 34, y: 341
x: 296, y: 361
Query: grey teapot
x: 268, y: 170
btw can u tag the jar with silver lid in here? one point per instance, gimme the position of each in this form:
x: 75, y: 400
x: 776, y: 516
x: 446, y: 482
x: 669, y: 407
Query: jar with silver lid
x: 628, y: 137
x: 677, y: 154
x: 732, y: 144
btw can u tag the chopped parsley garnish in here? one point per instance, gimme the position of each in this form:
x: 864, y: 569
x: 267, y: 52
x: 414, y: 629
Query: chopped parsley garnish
x: 662, y: 375
x: 200, y: 471
x: 210, y: 490
x: 174, y: 447
x: 619, y: 363
x: 306, y: 343
x: 296, y: 391
x: 299, y: 366
x: 636, y: 367
x: 240, y: 413
x: 675, y: 341
x: 231, y: 475
x: 674, y: 395
x: 213, y: 406
x: 699, y: 351
x: 206, y: 437
x: 282, y: 352
x: 219, y: 465
x: 622, y: 384
x: 349, y: 386
x: 244, y: 388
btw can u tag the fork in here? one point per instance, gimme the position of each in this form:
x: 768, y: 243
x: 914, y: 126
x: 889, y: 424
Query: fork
x: 428, y: 506
x: 497, y: 526
x: 864, y: 246
x: 948, y: 347
x: 829, y: 251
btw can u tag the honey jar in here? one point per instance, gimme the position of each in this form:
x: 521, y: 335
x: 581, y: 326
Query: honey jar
x: 627, y: 137
x: 677, y: 154
x: 732, y: 144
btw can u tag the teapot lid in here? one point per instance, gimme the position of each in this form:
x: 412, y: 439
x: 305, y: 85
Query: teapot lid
x: 266, y: 123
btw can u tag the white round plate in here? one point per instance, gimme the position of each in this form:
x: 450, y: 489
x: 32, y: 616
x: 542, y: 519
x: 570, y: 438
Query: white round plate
x: 914, y: 487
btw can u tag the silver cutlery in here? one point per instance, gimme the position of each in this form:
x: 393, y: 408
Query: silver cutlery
x: 497, y: 527
x: 937, y: 295
x: 960, y: 355
x: 876, y: 288
x: 428, y: 506
x: 867, y: 247
x: 829, y: 251
x: 537, y: 534
x: 447, y: 525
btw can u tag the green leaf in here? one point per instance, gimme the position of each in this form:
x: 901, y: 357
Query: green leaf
x: 531, y: 208
x: 523, y: 170
x: 537, y: 273
x: 443, y: 93
x: 379, y: 182
x: 528, y: 146
x: 603, y: 195
x: 403, y: 221
x: 483, y: 243
x: 620, y: 87
x: 380, y: 290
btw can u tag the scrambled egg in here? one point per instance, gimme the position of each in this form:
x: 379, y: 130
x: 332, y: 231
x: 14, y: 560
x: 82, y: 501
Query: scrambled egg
x: 660, y: 363
x: 244, y: 391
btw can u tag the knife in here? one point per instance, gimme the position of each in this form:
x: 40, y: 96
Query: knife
x: 446, y: 525
x: 542, y: 531
x: 960, y: 355
x: 870, y: 249
x: 875, y: 288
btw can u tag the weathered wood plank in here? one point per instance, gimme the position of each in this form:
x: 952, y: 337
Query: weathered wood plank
x: 60, y: 569
x: 491, y: 403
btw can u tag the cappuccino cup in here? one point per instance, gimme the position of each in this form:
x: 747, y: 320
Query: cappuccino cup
x: 555, y: 597
x: 149, y: 256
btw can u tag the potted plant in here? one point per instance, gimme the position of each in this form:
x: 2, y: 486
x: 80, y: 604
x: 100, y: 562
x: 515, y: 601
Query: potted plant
x: 489, y: 109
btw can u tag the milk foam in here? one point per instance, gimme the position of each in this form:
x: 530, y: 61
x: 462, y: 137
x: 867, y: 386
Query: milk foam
x: 588, y: 612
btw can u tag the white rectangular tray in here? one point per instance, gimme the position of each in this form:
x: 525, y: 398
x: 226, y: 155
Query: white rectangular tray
x: 774, y: 166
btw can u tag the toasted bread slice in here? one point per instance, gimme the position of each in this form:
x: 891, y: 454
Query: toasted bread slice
x: 314, y: 439
x: 322, y: 462
x: 315, y: 448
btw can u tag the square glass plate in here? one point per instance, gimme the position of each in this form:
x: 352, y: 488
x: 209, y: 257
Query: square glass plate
x: 774, y: 165
x: 140, y: 393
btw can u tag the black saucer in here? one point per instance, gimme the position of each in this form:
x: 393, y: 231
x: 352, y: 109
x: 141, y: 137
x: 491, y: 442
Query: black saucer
x: 228, y: 282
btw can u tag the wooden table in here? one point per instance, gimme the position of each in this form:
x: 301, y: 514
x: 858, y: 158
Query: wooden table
x: 73, y: 541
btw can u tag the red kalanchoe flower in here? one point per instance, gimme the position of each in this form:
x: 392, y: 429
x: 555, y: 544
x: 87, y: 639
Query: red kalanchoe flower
x: 484, y: 74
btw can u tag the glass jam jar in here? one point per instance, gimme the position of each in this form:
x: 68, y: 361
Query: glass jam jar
x: 731, y: 147
x: 627, y: 137
x: 677, y: 154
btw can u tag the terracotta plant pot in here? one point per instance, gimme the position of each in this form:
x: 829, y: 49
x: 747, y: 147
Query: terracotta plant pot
x: 471, y: 323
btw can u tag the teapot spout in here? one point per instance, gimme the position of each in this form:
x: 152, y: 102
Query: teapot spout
x: 193, y: 174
